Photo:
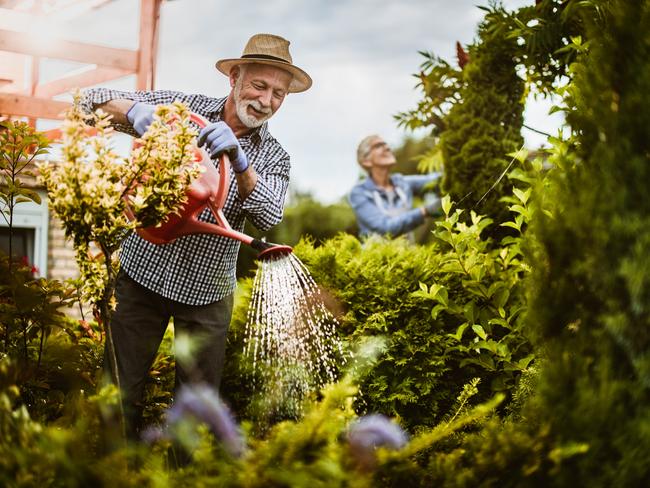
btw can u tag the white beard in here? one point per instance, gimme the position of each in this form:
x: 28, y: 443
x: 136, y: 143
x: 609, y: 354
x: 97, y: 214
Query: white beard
x: 241, y: 106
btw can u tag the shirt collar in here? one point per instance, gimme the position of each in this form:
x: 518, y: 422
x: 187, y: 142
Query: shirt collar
x: 215, y: 108
x: 369, y: 184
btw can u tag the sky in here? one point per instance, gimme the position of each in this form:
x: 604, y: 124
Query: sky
x: 361, y: 55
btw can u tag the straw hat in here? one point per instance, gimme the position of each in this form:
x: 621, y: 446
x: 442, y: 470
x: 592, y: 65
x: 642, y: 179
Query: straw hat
x: 272, y: 50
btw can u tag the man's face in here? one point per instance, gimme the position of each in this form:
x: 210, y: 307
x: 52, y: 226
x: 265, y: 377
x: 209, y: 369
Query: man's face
x: 379, y: 154
x: 259, y: 90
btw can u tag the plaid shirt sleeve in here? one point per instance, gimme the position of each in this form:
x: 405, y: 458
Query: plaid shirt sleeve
x: 97, y: 96
x: 264, y: 205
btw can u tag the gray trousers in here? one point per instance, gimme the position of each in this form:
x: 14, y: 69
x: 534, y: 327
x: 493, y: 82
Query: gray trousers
x: 138, y: 326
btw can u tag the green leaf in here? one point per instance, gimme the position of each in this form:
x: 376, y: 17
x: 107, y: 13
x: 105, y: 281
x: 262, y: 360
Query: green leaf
x: 30, y: 194
x: 518, y: 209
x: 445, y: 202
x: 443, y: 297
x: 522, y: 195
x: 501, y: 297
x: 459, y: 331
x: 524, y: 362
x: 478, y: 329
x: 436, y: 310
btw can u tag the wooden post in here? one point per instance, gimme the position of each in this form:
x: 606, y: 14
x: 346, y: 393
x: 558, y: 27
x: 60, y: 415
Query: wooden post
x: 21, y: 97
x: 149, y: 21
x: 36, y: 74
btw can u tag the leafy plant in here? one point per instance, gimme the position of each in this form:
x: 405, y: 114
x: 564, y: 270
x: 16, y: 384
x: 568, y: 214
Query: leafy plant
x: 452, y: 311
x: 551, y: 35
x: 20, y: 145
x: 29, y: 306
x: 591, y: 288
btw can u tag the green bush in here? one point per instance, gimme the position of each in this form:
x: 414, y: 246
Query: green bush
x: 591, y: 290
x: 476, y: 114
x: 486, y: 126
x: 451, y: 311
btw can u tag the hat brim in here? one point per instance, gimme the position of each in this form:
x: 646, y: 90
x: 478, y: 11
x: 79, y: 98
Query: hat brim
x: 301, y: 80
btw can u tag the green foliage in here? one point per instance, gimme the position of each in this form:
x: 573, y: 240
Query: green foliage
x: 486, y: 126
x: 30, y: 453
x: 20, y: 145
x: 551, y: 34
x: 29, y: 307
x: 591, y: 289
x: 29, y: 310
x: 452, y: 311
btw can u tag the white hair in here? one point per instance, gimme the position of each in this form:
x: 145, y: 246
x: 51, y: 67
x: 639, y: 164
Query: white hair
x: 363, y: 150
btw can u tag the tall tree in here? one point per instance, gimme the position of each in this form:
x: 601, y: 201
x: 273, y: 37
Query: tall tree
x: 486, y: 126
x: 591, y: 298
x: 476, y: 112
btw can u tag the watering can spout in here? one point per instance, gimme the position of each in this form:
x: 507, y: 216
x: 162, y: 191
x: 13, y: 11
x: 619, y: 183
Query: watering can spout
x: 270, y: 251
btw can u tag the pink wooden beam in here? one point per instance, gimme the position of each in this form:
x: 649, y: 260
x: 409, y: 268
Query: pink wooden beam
x: 19, y: 42
x: 86, y: 76
x: 26, y: 106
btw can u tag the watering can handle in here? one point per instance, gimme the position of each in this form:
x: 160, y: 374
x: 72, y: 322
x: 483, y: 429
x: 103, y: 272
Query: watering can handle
x: 224, y: 167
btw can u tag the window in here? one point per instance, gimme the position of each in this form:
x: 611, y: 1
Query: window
x: 30, y: 228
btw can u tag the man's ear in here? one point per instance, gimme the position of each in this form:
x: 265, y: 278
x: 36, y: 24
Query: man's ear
x: 234, y: 74
x: 366, y: 164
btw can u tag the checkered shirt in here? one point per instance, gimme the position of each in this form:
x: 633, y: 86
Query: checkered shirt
x: 200, y: 269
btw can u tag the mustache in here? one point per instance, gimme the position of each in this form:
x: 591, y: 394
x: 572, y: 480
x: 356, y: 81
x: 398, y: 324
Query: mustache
x: 259, y: 107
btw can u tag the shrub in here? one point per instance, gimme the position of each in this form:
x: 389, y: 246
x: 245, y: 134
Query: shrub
x: 451, y: 311
x: 591, y: 293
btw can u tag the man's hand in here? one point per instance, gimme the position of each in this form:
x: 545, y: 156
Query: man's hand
x: 219, y: 138
x: 140, y: 115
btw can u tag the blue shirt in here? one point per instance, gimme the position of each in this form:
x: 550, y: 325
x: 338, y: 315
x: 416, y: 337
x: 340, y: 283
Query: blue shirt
x: 380, y: 211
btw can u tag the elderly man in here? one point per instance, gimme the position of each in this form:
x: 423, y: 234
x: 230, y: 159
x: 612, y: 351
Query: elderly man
x: 383, y: 202
x: 193, y: 278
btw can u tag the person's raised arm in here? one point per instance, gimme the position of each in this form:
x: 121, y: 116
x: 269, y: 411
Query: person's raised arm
x: 369, y: 216
x: 132, y: 111
x: 117, y: 109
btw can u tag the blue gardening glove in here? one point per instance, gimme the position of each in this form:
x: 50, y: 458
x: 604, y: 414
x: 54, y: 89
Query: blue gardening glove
x: 140, y: 115
x: 433, y: 209
x: 219, y: 138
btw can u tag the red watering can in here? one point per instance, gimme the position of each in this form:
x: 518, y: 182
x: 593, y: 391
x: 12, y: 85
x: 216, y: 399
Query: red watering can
x: 210, y: 190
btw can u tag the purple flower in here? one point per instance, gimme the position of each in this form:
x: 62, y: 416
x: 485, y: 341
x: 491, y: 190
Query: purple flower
x: 152, y: 435
x: 201, y: 402
x: 370, y: 432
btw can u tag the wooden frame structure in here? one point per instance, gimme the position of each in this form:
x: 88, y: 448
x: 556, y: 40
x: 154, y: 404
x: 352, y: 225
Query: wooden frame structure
x: 26, y: 96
